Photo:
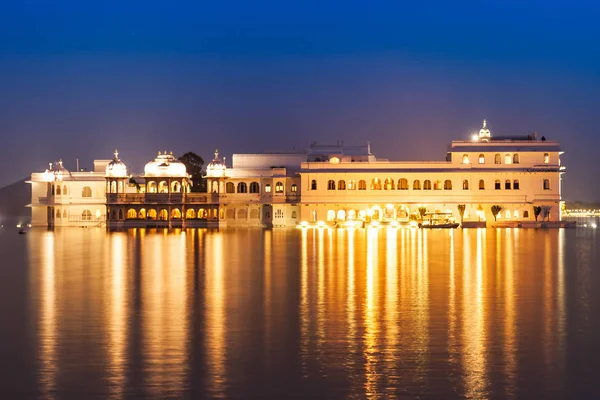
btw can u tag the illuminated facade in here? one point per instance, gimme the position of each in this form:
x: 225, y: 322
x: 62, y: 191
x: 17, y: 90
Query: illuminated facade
x: 327, y: 185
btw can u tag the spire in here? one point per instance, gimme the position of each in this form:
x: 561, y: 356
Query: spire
x: 116, y: 154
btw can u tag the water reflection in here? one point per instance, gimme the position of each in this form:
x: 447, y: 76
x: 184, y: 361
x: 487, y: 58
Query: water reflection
x: 326, y: 313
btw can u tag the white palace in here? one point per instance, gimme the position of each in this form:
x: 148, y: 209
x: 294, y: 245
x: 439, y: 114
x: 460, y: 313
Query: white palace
x: 324, y: 185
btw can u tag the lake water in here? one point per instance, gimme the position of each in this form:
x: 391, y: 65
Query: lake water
x: 300, y: 314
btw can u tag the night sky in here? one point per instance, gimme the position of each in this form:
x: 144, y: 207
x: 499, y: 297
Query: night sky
x: 78, y: 79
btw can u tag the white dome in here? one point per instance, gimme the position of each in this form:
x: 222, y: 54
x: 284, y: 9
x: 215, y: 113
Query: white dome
x: 116, y: 168
x: 484, y: 132
x: 216, y: 167
x: 56, y: 171
x: 165, y: 165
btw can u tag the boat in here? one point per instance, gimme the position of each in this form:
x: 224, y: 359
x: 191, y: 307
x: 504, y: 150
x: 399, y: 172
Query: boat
x: 22, y: 231
x: 436, y: 220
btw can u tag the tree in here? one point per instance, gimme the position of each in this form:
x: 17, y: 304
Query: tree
x: 193, y: 164
x: 461, y: 211
x: 536, y: 212
x: 422, y: 211
x: 496, y: 210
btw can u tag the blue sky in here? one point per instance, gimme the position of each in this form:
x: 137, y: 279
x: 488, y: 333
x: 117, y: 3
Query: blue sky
x: 78, y: 79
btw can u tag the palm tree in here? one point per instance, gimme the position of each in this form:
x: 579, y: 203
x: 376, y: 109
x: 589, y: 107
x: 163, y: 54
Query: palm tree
x: 496, y: 210
x: 461, y: 211
x: 536, y: 212
x: 422, y: 211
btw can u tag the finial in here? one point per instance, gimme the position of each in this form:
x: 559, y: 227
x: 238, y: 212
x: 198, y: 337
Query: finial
x: 116, y: 154
x: 216, y: 154
x: 171, y: 153
x: 60, y: 162
x: 484, y: 123
x: 159, y: 152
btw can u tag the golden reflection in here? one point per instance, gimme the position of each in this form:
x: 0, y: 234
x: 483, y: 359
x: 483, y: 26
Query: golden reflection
x: 268, y: 274
x: 371, y: 317
x: 215, y: 315
x: 506, y: 255
x: 561, y: 300
x: 48, y: 329
x: 304, y: 317
x: 474, y: 333
x: 391, y: 298
x: 118, y: 315
x: 321, y: 311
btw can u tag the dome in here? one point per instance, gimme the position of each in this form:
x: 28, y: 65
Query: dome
x: 116, y: 168
x: 484, y: 132
x: 56, y: 171
x: 216, y: 167
x: 165, y: 165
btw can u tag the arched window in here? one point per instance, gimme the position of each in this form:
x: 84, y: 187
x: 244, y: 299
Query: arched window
x: 151, y: 187
x: 507, y: 159
x: 267, y: 188
x: 53, y: 189
x: 465, y: 184
x: 163, y: 215
x: 58, y: 214
x: 546, y: 184
x: 351, y: 185
x: 152, y: 213
x: 341, y: 185
x: 437, y: 185
x: 402, y: 184
x: 497, y: 159
x: 120, y: 213
x: 515, y: 158
x: 525, y: 214
x: 313, y: 185
x: 202, y: 213
x: 465, y: 159
x: 58, y: 190
x: 64, y: 190
x: 388, y: 184
x: 481, y: 159
x: 330, y: 215
x: 516, y: 184
x: 294, y: 215
x: 229, y: 187
x: 86, y: 191
x: 279, y: 187
x: 447, y: 184
x: 242, y: 187
x: 64, y: 213
x: 131, y: 214
x: 546, y: 158
x: 86, y: 215
x: 416, y: 184
x: 175, y: 187
x: 497, y: 184
x: 190, y: 213
x: 341, y: 215
x: 254, y: 187
x: 175, y: 213
x: 331, y: 184
x: 120, y: 187
x: 426, y: 184
x: 481, y: 184
x: 375, y: 184
x: 507, y: 184
x: 142, y: 214
x: 362, y: 185
x: 163, y: 187
x: 294, y: 188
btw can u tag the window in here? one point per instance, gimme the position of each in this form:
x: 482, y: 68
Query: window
x: 190, y: 213
x: 426, y: 184
x: 267, y: 188
x: 507, y: 159
x: 546, y: 158
x: 65, y: 190
x: 313, y: 185
x: 481, y: 159
x: 402, y: 184
x: 437, y: 185
x: 86, y: 215
x: 242, y: 187
x: 230, y: 187
x: 375, y: 184
x: 294, y: 188
x: 152, y: 214
x: 515, y: 158
x: 497, y: 159
x: 388, y: 184
x: 341, y: 185
x: 351, y: 185
x: 362, y: 185
x: 254, y: 187
x: 86, y: 192
x: 507, y: 184
x: 278, y: 213
x: 481, y: 184
x: 279, y: 187
x: 331, y: 184
x: 65, y: 214
x: 58, y: 190
x: 131, y: 214
x: 465, y: 184
x: 525, y: 214
x: 516, y: 184
x: 447, y: 184
x: 417, y: 185
x: 546, y: 184
x: 294, y: 215
x: 52, y: 190
x: 465, y: 159
x: 58, y: 214
x: 497, y: 184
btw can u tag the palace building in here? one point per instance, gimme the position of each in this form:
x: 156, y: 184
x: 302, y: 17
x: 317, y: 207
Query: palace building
x: 333, y: 185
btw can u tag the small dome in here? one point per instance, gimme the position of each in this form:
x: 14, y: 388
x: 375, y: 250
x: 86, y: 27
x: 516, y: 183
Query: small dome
x: 165, y: 165
x: 116, y: 168
x: 484, y: 132
x: 216, y: 167
x: 56, y: 171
